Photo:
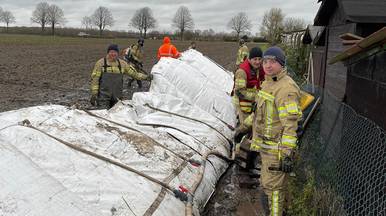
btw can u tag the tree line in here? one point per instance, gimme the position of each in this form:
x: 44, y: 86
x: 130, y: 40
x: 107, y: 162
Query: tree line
x: 274, y: 22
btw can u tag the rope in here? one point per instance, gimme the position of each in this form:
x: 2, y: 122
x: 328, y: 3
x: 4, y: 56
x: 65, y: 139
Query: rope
x: 27, y: 123
x: 136, y: 130
x: 186, y: 117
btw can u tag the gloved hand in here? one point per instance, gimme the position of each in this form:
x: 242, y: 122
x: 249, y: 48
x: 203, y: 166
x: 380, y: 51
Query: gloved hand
x: 254, y: 105
x: 287, y: 164
x: 239, y: 95
x: 150, y: 77
x: 93, y: 100
x: 140, y: 64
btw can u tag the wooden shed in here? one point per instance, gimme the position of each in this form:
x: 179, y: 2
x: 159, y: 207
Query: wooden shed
x: 366, y: 76
x: 334, y: 19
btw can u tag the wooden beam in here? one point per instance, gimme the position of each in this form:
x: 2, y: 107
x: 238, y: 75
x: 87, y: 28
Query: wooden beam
x: 350, y: 36
x: 378, y: 37
x: 350, y: 42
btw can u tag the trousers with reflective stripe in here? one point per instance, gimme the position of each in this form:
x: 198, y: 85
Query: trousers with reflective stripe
x: 274, y: 183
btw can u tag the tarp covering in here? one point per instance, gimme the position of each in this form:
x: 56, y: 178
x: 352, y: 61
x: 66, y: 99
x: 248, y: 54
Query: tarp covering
x: 48, y: 164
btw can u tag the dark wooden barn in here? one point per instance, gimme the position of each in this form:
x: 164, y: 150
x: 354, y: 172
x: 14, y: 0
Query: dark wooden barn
x: 334, y: 19
x: 366, y: 76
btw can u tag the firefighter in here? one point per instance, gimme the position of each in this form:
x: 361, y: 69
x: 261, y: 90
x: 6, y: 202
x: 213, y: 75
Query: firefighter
x: 192, y: 45
x: 274, y: 128
x: 247, y: 83
x: 167, y: 50
x: 107, y: 78
x: 242, y: 53
x: 134, y: 56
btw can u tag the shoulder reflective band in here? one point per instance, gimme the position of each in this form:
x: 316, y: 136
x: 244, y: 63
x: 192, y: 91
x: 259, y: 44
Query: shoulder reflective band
x: 266, y: 95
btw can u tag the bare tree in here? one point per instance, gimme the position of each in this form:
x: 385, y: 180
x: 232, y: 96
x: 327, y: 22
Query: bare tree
x: 143, y: 20
x: 87, y: 22
x: 240, y: 23
x: 40, y: 14
x: 55, y: 17
x: 272, y: 25
x: 294, y: 24
x: 7, y: 17
x: 183, y: 20
x: 102, y: 18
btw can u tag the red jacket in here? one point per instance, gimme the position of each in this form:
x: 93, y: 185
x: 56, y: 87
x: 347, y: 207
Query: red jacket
x: 252, y: 81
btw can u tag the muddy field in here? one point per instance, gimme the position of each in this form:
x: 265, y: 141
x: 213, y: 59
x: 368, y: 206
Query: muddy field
x: 41, y: 69
x: 36, y: 70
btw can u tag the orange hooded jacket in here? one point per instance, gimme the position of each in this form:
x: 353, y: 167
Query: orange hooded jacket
x: 167, y: 50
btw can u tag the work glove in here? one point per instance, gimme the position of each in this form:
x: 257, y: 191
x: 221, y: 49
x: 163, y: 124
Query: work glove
x: 239, y: 95
x: 254, y: 105
x: 150, y: 77
x: 93, y: 100
x: 287, y: 164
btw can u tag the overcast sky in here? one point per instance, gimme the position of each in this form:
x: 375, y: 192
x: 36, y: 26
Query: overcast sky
x: 207, y: 14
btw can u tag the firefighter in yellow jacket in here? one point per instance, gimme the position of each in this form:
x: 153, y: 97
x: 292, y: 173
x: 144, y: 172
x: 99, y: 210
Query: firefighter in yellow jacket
x: 242, y: 53
x: 134, y: 56
x: 107, y: 78
x: 247, y: 83
x: 274, y: 127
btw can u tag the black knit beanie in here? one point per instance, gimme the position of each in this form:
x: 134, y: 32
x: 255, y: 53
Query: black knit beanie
x: 113, y: 47
x: 255, y: 52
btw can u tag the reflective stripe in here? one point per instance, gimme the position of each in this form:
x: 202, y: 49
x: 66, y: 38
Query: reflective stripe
x: 97, y: 73
x: 268, y: 119
x: 240, y: 83
x: 246, y: 109
x: 112, y: 69
x: 94, y: 87
x: 245, y: 103
x: 292, y: 108
x: 255, y: 145
x: 266, y: 95
x: 289, y: 141
x: 269, y: 100
x: 275, y: 203
x: 271, y: 143
x: 282, y: 112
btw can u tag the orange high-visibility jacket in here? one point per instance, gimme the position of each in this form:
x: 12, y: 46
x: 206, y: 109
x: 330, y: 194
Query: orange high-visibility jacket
x: 167, y: 50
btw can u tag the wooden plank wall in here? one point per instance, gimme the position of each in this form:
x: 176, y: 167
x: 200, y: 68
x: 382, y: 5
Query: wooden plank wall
x: 366, y: 87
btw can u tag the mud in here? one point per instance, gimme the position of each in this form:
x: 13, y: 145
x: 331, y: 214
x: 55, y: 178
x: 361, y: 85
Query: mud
x: 232, y: 198
x: 59, y: 73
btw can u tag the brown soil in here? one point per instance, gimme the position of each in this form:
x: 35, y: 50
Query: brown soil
x: 35, y: 74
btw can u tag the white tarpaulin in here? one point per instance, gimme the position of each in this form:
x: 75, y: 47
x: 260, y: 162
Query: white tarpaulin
x: 126, y: 160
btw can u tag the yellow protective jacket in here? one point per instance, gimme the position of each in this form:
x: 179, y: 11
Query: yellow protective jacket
x: 242, y: 54
x: 136, y: 52
x: 277, y: 114
x: 248, y: 93
x: 112, y: 67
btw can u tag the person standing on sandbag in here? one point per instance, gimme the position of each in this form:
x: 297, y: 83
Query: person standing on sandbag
x: 107, y: 78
